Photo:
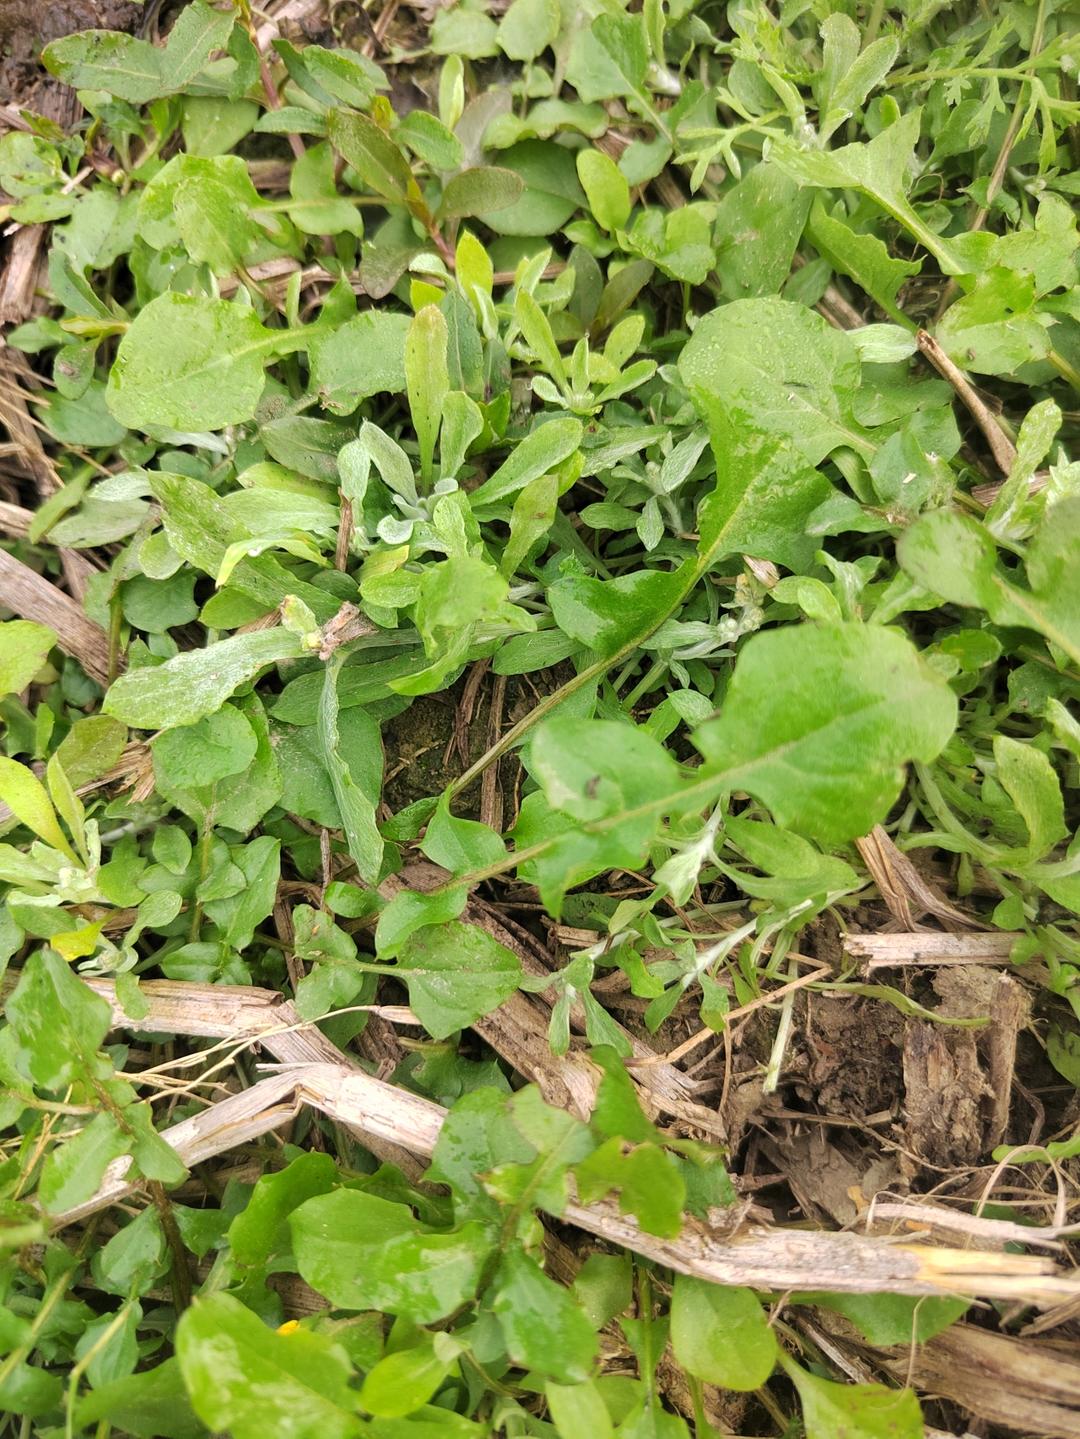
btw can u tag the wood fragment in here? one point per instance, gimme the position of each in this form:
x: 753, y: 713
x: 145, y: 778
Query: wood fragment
x: 1001, y: 446
x: 886, y: 951
x: 32, y: 597
x: 755, y: 1255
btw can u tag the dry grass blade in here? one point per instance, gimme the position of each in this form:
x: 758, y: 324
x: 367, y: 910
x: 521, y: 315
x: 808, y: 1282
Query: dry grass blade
x: 382, y: 1114
x: 32, y: 597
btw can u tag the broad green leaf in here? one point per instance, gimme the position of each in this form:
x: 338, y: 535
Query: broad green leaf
x: 73, y: 1170
x: 197, y: 32
x: 578, y: 1411
x: 479, y: 191
x: 605, y: 188
x: 529, y: 27
x: 887, y: 1319
x: 456, y: 973
x: 219, y: 745
x: 409, y: 910
x: 858, y: 1411
x: 551, y: 191
x: 404, y: 1381
x: 24, y: 648
x: 244, y: 1378
x: 721, y: 1335
x: 109, y: 60
x: 318, y: 208
x: 356, y: 801
x: 196, y: 683
x: 363, y: 1252
x: 58, y: 1021
x: 758, y: 226
x: 261, y: 1228
x: 152, y: 1404
x: 954, y: 556
x: 91, y: 747
x: 648, y: 1180
x: 848, y: 690
x: 460, y: 845
x: 363, y: 357
x: 26, y: 797
x: 607, y: 615
x: 213, y: 206
x: 544, y: 1328
x: 190, y: 363
x: 776, y: 367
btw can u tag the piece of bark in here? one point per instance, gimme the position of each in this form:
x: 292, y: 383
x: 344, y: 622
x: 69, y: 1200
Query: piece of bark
x: 32, y: 597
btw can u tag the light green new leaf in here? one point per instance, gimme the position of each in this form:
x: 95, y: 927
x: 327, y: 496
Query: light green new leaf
x: 456, y: 973
x: 605, y: 187
x: 355, y: 802
x: 363, y: 1252
x: 721, y: 1335
x: 243, y: 1378
x: 24, y: 648
x: 190, y: 363
x: 817, y: 723
x: 404, y: 1381
x: 858, y: 1411
x: 197, y: 682
x: 537, y: 454
x: 528, y: 27
x: 26, y: 797
x: 1028, y: 778
x: 427, y: 380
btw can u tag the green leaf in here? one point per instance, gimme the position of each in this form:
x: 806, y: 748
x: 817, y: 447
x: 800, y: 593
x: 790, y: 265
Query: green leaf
x: 605, y: 188
x: 152, y: 1404
x: 778, y: 368
x: 857, y: 1411
x: 372, y: 154
x: 427, y: 381
x: 887, y: 1319
x: 190, y: 363
x: 1028, y: 778
x: 862, y: 257
x: 26, y: 797
x: 356, y: 800
x: 456, y: 973
x: 108, y: 60
x: 721, y: 1335
x: 244, y: 1378
x: 261, y: 1228
x: 606, y: 615
x: 197, y: 32
x: 528, y: 27
x: 402, y: 1382
x: 578, y: 1411
x: 198, y: 682
x: 848, y: 690
x: 953, y: 556
x: 544, y: 1329
x: 219, y: 745
x: 758, y: 226
x: 537, y: 454
x: 480, y: 191
x: 24, y: 648
x: 363, y: 357
x: 551, y: 191
x: 58, y: 1021
x: 363, y: 1252
x: 74, y: 1169
x: 317, y: 207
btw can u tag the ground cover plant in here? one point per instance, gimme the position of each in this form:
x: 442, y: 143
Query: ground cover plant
x: 539, y: 640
